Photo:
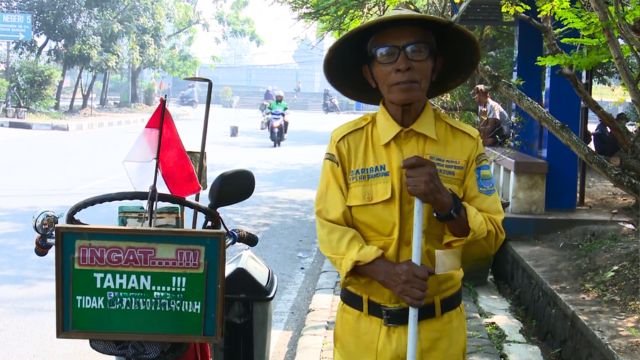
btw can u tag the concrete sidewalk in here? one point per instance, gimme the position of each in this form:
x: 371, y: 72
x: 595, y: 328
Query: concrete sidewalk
x: 77, y: 123
x: 316, y: 340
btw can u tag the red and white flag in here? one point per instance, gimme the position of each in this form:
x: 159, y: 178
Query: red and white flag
x: 175, y: 166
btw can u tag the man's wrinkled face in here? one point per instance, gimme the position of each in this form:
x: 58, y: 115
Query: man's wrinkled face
x: 403, y: 64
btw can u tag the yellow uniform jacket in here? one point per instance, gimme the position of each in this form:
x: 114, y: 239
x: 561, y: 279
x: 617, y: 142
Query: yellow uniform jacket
x: 363, y: 211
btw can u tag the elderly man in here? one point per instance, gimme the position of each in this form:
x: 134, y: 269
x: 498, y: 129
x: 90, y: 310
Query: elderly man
x: 374, y: 167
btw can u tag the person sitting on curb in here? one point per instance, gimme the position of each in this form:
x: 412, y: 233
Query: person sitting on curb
x: 493, y: 120
x: 377, y: 164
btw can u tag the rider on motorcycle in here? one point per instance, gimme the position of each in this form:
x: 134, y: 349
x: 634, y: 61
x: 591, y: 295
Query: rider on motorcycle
x: 189, y: 96
x: 326, y: 96
x: 329, y: 102
x: 280, y: 105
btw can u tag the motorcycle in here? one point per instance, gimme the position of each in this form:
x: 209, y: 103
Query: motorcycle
x: 249, y: 284
x: 276, y: 127
x: 330, y: 105
x: 188, y: 98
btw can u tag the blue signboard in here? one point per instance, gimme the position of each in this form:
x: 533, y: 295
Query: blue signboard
x: 15, y: 26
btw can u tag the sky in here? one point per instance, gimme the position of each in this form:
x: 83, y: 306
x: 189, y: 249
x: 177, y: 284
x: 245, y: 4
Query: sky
x: 276, y: 25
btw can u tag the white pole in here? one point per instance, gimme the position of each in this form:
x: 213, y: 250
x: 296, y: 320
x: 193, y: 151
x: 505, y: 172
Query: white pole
x: 416, y: 257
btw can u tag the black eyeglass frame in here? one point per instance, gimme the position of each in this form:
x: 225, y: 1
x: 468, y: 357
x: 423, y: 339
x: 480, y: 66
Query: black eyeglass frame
x: 402, y: 49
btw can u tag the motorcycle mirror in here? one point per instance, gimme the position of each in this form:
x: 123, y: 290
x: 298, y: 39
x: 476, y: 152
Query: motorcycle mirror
x: 44, y: 223
x: 231, y: 187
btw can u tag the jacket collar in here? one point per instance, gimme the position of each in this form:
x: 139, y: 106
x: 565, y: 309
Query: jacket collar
x: 389, y: 128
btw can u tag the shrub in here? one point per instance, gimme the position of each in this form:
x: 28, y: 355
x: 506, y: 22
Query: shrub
x: 226, y: 97
x: 33, y: 84
x: 4, y: 86
x: 149, y: 93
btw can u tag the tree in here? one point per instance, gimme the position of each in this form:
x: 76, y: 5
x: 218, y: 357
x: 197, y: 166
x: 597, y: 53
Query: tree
x: 602, y: 35
x: 606, y: 33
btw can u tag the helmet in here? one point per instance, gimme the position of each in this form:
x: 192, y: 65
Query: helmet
x: 279, y: 93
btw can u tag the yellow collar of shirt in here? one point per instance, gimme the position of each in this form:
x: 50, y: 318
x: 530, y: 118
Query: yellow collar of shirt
x: 389, y: 128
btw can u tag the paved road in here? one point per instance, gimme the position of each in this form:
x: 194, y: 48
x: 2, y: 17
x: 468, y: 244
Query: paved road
x: 52, y: 170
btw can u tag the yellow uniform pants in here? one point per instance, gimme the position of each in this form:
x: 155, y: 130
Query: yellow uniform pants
x: 360, y: 336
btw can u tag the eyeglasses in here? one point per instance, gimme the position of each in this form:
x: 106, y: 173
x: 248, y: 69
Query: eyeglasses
x: 389, y: 54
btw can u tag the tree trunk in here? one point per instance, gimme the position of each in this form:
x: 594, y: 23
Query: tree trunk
x: 86, y: 95
x: 105, y: 89
x: 60, y: 85
x: 41, y: 48
x: 135, y: 74
x: 75, y: 89
x: 622, y: 178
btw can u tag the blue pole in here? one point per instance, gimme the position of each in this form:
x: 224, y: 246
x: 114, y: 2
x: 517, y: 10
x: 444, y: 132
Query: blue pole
x: 562, y: 179
x: 528, y: 48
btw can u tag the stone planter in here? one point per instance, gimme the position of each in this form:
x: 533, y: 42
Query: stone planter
x: 11, y: 112
x: 21, y: 113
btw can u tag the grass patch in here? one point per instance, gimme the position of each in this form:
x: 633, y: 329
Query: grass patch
x: 472, y: 291
x: 496, y: 335
x: 47, y: 115
x: 597, y: 243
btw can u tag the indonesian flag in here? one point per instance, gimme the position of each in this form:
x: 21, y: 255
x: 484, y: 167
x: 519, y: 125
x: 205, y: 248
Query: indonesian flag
x: 175, y: 166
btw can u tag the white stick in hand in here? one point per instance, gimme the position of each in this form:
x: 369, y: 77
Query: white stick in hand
x: 416, y: 257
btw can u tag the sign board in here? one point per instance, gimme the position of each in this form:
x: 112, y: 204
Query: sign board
x: 16, y: 26
x: 117, y: 283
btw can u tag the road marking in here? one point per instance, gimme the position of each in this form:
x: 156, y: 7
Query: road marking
x: 279, y: 337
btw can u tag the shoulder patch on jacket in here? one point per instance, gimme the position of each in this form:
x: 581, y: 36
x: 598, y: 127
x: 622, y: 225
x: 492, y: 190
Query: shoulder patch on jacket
x: 331, y: 157
x: 353, y: 125
x: 468, y: 129
x: 484, y: 177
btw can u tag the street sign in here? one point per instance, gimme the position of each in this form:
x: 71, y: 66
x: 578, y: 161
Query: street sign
x: 15, y: 26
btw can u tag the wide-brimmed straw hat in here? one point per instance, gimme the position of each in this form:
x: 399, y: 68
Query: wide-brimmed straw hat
x: 457, y: 46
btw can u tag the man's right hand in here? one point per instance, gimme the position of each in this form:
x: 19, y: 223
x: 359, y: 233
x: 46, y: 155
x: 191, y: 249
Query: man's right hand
x: 406, y: 280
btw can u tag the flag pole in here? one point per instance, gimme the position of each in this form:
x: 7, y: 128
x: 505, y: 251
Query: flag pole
x: 204, y: 138
x: 416, y: 258
x: 153, y: 189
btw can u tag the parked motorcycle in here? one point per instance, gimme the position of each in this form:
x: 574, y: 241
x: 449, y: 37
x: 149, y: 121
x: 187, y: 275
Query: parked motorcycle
x: 276, y: 127
x: 330, y: 105
x: 249, y: 284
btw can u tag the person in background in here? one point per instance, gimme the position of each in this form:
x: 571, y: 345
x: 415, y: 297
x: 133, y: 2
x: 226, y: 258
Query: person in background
x: 326, y: 95
x: 297, y: 89
x: 493, y: 120
x: 268, y: 94
x: 604, y: 142
x: 374, y: 168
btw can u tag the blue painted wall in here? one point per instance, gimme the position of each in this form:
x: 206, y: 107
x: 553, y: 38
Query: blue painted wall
x: 528, y: 48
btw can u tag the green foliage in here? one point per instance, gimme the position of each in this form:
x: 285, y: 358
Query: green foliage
x: 33, y: 83
x: 496, y: 335
x: 591, y: 244
x: 179, y: 63
x: 226, y: 96
x: 338, y: 16
x: 235, y: 24
x: 580, y: 33
x: 4, y: 86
